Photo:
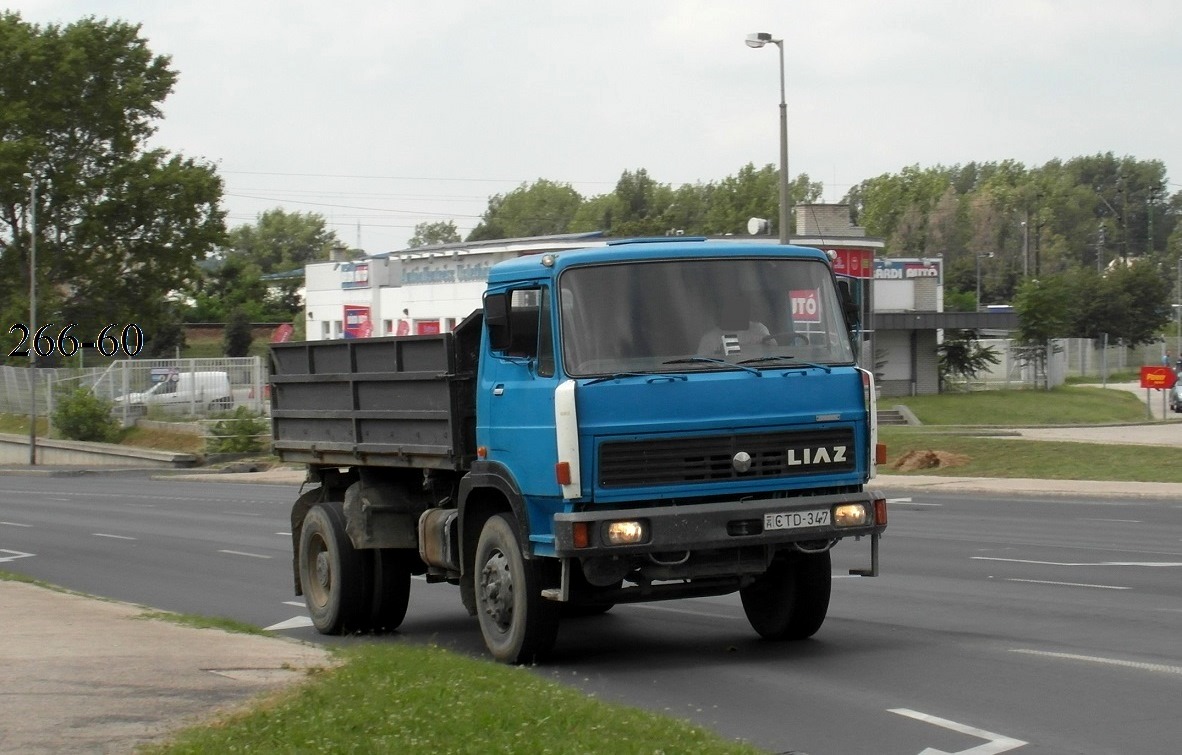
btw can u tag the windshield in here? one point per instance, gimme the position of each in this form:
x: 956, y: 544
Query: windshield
x: 679, y: 315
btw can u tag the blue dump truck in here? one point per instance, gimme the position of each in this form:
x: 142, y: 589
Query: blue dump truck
x: 641, y: 421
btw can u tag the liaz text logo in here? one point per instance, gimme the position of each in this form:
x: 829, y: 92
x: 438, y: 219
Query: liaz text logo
x: 798, y: 457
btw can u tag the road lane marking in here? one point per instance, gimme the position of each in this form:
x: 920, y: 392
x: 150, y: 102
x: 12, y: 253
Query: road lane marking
x: 295, y: 622
x: 649, y: 607
x: 296, y: 603
x: 15, y: 524
x: 1138, y: 665
x: 994, y: 743
x: 13, y: 555
x: 286, y: 534
x: 244, y: 553
x: 1069, y: 584
x: 113, y: 537
x: 1119, y: 521
x: 1156, y: 564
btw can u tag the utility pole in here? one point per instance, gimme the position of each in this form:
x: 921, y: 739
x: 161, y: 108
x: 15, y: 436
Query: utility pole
x: 33, y: 322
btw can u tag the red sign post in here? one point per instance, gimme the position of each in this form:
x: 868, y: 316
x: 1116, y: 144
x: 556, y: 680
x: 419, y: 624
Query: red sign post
x: 1158, y: 377
x: 1161, y: 378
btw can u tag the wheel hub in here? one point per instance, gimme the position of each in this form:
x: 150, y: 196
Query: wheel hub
x: 496, y: 590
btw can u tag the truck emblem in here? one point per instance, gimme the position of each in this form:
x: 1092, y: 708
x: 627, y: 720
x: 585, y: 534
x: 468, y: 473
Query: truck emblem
x: 809, y: 456
x: 741, y: 462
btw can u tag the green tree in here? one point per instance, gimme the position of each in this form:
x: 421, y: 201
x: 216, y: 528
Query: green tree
x: 238, y: 336
x: 440, y: 232
x: 281, y: 241
x: 119, y: 226
x: 538, y: 209
x: 963, y: 357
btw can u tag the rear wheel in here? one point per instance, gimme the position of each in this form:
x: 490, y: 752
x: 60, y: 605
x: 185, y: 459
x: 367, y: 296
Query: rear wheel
x: 790, y: 600
x: 391, y: 589
x: 518, y: 624
x: 335, y: 578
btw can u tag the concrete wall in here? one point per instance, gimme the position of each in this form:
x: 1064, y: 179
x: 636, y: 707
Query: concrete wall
x: 14, y: 449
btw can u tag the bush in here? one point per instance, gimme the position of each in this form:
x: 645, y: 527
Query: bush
x: 243, y: 433
x: 81, y: 415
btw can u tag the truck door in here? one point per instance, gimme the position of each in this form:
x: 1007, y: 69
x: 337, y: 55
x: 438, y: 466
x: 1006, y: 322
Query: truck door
x: 515, y: 405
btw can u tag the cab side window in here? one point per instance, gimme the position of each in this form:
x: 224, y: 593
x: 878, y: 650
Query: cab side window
x: 530, y: 334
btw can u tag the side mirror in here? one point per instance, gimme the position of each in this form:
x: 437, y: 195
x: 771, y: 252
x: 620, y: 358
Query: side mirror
x: 496, y: 318
x: 849, y: 307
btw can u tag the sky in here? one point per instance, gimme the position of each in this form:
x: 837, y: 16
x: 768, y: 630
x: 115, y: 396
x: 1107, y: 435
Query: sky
x: 383, y: 114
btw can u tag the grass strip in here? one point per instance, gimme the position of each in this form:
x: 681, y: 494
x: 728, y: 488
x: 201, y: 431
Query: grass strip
x: 402, y: 698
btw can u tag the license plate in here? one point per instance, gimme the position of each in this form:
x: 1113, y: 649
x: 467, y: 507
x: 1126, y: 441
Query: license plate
x: 791, y: 520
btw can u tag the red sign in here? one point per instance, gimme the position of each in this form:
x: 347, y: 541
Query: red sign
x: 1158, y: 377
x: 357, y: 324
x: 856, y: 263
x: 805, y: 307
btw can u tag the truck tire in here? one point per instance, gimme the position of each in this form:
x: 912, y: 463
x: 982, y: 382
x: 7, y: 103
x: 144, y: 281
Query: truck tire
x: 518, y: 624
x: 789, y: 601
x: 336, y: 579
x: 391, y: 589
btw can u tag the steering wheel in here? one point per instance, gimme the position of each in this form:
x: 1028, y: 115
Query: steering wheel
x: 795, y: 339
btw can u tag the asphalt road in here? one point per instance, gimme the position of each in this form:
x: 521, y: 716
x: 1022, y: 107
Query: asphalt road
x: 1037, y: 625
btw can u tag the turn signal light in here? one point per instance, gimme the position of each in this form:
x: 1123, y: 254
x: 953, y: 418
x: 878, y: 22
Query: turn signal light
x: 880, y: 512
x: 581, y: 534
x: 880, y: 453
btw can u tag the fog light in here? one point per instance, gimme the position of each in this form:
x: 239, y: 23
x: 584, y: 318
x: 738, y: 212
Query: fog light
x: 849, y: 515
x: 626, y: 533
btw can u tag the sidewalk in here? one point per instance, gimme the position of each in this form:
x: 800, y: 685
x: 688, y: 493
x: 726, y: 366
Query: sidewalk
x: 78, y: 674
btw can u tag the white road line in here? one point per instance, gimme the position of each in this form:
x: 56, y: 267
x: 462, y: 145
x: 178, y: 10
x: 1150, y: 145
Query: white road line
x: 1160, y: 668
x: 898, y: 500
x: 994, y: 743
x: 909, y: 502
x: 295, y: 622
x: 1119, y: 521
x: 296, y: 603
x: 243, y: 553
x: 1078, y: 563
x: 1068, y: 584
x: 285, y: 534
x: 15, y: 524
x: 13, y: 555
x: 113, y: 537
x: 650, y: 607
x: 243, y: 513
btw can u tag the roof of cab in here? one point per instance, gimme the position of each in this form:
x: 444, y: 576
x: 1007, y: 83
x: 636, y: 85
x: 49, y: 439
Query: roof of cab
x: 547, y: 264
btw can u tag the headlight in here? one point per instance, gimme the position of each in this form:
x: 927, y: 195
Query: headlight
x: 850, y: 515
x: 626, y: 533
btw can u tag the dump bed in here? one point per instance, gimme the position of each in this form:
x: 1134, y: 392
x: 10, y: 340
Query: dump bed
x: 405, y: 401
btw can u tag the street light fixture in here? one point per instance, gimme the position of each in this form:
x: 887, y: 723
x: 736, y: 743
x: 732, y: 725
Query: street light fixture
x: 979, y: 258
x: 757, y: 40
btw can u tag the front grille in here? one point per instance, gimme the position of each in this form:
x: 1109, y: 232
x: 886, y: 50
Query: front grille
x: 712, y: 459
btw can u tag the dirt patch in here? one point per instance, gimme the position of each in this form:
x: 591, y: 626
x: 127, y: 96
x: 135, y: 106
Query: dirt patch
x: 916, y: 460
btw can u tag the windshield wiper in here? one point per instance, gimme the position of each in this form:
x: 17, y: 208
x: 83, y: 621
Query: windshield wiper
x: 712, y: 360
x: 787, y: 358
x: 655, y: 375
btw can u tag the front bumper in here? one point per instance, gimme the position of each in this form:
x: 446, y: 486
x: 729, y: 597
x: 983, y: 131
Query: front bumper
x: 710, y: 526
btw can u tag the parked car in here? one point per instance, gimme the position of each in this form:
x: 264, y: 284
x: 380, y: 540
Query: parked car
x: 195, y: 392
x: 1176, y: 396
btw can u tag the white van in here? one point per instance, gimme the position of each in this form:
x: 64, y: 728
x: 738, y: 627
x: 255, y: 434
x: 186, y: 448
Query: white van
x: 184, y: 392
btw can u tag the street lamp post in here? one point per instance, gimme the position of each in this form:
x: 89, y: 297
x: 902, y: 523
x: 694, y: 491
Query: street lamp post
x: 757, y: 40
x: 33, y: 321
x: 979, y: 258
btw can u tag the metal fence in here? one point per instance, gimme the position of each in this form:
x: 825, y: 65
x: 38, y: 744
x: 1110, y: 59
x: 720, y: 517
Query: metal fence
x: 154, y: 388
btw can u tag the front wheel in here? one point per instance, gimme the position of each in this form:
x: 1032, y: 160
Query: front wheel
x: 789, y: 601
x: 518, y: 624
x: 336, y: 580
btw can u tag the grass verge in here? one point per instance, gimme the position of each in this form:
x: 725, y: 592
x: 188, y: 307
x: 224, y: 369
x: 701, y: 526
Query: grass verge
x: 407, y: 699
